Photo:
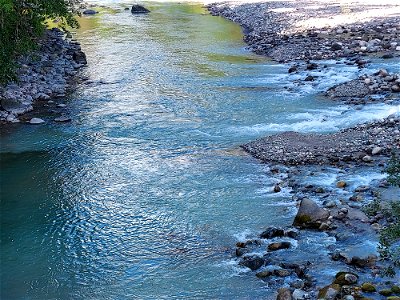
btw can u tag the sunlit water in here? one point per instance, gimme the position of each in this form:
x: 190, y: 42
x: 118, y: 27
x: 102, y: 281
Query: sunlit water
x: 145, y: 193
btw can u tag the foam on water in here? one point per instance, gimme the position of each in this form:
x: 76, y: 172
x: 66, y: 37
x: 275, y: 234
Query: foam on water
x: 322, y: 120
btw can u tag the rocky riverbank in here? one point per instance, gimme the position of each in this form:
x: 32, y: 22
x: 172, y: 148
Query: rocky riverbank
x: 362, y: 144
x: 292, y: 30
x: 301, y: 33
x: 45, y: 75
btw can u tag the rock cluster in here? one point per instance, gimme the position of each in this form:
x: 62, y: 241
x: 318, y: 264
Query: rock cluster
x: 44, y: 75
x: 360, y: 144
x: 377, y: 83
x: 270, y: 30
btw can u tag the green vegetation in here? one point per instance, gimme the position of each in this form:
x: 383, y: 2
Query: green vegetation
x: 390, y: 235
x: 22, y: 22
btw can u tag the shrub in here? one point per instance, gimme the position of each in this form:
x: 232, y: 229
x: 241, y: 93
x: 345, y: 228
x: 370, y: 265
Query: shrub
x: 22, y: 23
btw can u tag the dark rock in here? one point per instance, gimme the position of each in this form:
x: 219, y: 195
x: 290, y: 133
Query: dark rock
x: 138, y: 9
x: 277, y: 188
x: 309, y: 78
x: 336, y: 46
x: 264, y: 274
x: 89, y: 12
x: 387, y: 55
x: 79, y: 57
x: 292, y: 69
x: 278, y: 246
x: 272, y: 232
x: 252, y: 262
x: 312, y: 66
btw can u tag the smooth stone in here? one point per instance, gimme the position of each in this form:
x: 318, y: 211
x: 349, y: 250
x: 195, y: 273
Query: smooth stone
x: 300, y: 295
x: 36, y: 121
x: 89, y: 12
x: 368, y: 287
x: 376, y: 150
x: 329, y: 292
x: 385, y: 292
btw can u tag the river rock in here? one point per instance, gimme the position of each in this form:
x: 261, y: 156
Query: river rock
x: 252, y: 262
x: 282, y: 272
x: 310, y: 215
x: 368, y: 287
x: 341, y: 184
x: 329, y: 292
x: 345, y: 278
x: 385, y: 292
x: 284, y: 294
x: 138, y: 9
x: 89, y: 12
x: 79, y: 57
x: 264, y: 274
x: 376, y: 150
x: 337, y: 46
x: 278, y: 246
x: 272, y: 232
x: 36, y: 121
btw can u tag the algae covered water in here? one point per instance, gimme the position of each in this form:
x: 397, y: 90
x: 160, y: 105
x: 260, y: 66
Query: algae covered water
x: 144, y: 194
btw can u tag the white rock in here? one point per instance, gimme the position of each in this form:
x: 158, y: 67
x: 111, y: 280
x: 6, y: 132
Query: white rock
x: 36, y: 121
x: 367, y: 158
x: 398, y: 48
x: 376, y: 150
x: 61, y: 105
x: 300, y: 295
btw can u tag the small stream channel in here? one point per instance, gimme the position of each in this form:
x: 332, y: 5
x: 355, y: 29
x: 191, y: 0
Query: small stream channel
x: 145, y: 193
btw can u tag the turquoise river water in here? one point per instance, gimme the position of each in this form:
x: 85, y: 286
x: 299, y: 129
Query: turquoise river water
x: 145, y: 193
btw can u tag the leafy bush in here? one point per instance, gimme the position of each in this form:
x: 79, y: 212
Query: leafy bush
x: 22, y: 22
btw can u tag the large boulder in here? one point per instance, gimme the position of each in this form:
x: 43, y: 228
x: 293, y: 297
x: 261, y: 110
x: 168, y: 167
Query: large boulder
x: 252, y: 262
x: 138, y: 9
x: 310, y: 215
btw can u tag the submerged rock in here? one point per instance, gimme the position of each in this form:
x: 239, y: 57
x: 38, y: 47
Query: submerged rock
x: 138, y: 9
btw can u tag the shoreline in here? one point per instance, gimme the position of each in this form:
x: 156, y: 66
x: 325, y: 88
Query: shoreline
x: 285, y: 32
x: 45, y: 75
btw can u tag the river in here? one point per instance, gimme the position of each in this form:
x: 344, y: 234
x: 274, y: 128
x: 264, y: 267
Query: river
x: 144, y: 194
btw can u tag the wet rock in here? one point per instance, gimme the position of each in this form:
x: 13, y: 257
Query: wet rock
x: 309, y: 78
x: 282, y: 272
x: 89, y: 12
x: 395, y: 289
x: 278, y: 246
x: 284, y: 294
x: 292, y: 233
x: 345, y: 278
x: 252, y: 262
x: 310, y: 215
x: 368, y: 287
x: 241, y: 251
x: 264, y: 274
x: 138, y: 9
x: 36, y: 121
x: 354, y: 88
x: 292, y: 69
x: 393, y: 298
x: 277, y: 188
x: 79, y: 57
x: 272, y: 232
x: 385, y: 292
x: 361, y: 262
x: 297, y: 284
x: 329, y: 292
x: 387, y: 55
x: 367, y: 158
x: 341, y: 184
